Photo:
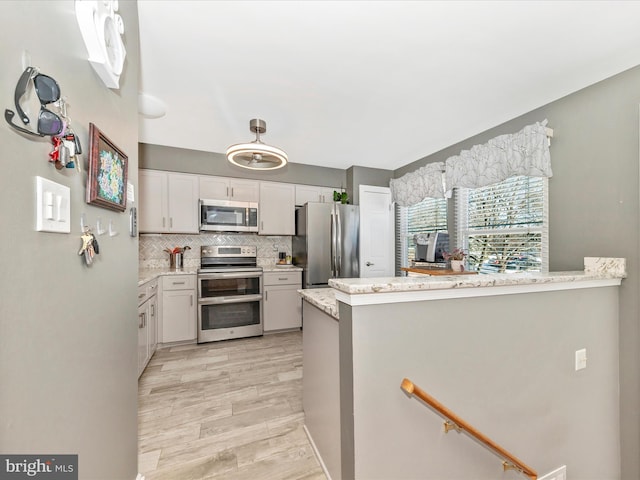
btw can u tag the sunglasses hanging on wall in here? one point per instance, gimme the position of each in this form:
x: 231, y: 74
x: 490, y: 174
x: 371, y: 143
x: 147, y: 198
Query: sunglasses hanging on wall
x: 48, y: 92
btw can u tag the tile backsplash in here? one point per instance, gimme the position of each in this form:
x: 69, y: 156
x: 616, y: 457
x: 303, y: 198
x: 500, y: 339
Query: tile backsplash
x: 152, y: 254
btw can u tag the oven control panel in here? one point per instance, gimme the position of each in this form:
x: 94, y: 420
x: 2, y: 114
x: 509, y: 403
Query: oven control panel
x: 230, y: 251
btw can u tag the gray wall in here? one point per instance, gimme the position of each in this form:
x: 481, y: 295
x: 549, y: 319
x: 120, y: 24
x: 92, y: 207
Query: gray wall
x: 172, y: 159
x: 68, y: 332
x: 504, y: 364
x: 594, y: 209
x: 357, y: 176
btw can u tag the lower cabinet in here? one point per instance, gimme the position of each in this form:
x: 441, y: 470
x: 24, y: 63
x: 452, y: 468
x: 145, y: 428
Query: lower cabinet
x: 282, y: 305
x: 178, y: 308
x: 147, y: 323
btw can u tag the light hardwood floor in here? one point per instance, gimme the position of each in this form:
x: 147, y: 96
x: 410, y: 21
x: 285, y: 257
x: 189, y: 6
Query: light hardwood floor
x: 229, y: 410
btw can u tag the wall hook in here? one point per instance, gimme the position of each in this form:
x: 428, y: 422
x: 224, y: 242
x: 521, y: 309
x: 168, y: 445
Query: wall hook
x: 99, y: 228
x: 112, y: 230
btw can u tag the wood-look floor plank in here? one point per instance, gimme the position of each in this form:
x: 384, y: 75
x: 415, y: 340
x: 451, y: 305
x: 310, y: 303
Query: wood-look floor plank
x: 226, y: 410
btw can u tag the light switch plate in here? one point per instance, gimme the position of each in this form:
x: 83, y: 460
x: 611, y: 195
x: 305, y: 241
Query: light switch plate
x: 53, y: 207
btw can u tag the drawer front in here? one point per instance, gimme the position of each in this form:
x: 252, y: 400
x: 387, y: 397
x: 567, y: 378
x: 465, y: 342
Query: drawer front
x: 147, y: 290
x: 142, y: 294
x: 178, y: 282
x: 283, y: 278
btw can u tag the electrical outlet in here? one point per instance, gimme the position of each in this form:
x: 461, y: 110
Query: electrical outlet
x: 557, y: 474
x: 581, y: 359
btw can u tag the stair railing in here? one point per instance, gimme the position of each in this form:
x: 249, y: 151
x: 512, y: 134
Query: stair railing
x: 454, y: 422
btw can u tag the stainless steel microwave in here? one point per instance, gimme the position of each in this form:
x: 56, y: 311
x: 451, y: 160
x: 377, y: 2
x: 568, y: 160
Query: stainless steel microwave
x: 228, y: 216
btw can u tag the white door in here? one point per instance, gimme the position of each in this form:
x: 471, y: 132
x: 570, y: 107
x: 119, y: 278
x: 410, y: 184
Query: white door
x: 376, y: 232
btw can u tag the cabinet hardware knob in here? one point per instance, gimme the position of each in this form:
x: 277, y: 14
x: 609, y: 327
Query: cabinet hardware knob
x: 369, y: 264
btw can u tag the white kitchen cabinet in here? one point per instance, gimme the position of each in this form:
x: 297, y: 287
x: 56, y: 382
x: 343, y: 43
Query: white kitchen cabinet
x: 147, y: 323
x: 178, y: 312
x: 168, y: 202
x: 223, y: 188
x: 311, y: 193
x: 277, y: 209
x: 282, y: 305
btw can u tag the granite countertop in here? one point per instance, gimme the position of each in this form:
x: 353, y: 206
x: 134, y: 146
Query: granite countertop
x: 323, y: 298
x: 275, y: 268
x: 148, y: 274
x: 596, y: 268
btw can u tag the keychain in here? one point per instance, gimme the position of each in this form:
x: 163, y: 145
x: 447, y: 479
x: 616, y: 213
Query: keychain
x: 67, y: 145
x: 89, y: 247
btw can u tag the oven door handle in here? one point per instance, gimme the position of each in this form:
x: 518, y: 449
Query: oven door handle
x: 214, y: 276
x: 235, y: 299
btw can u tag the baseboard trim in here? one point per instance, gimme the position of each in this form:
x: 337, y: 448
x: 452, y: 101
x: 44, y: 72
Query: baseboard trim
x: 316, y: 453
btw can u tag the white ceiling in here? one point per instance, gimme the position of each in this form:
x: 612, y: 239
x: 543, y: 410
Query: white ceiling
x: 368, y: 83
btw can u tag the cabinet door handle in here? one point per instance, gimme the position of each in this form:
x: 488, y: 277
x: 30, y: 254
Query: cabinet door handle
x: 232, y: 191
x: 140, y: 320
x: 178, y: 283
x: 266, y: 296
x: 170, y: 222
x: 191, y: 300
x: 163, y: 222
x: 261, y: 225
x: 141, y: 295
x: 369, y: 264
x: 282, y: 278
x: 227, y: 191
x: 153, y: 310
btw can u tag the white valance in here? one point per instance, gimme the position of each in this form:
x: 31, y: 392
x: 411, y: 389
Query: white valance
x: 511, y: 155
x: 414, y: 187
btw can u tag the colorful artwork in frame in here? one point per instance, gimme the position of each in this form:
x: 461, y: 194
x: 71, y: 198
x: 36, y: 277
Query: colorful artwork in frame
x: 107, y: 179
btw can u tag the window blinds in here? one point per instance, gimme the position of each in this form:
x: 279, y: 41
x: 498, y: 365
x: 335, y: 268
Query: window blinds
x: 504, y: 226
x: 430, y: 215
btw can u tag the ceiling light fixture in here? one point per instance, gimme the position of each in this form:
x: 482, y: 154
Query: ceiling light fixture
x: 257, y: 155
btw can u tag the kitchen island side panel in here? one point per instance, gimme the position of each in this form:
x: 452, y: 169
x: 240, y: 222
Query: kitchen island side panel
x: 505, y: 364
x: 321, y: 385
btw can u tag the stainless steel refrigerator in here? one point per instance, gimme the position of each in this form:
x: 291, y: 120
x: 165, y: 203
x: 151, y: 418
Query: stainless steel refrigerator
x: 326, y: 244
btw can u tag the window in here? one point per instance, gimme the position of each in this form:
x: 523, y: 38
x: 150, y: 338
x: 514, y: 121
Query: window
x: 430, y: 215
x: 504, y: 227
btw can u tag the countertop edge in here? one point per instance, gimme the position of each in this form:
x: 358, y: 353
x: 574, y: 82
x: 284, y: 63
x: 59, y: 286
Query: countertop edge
x: 457, y: 291
x: 149, y: 274
x: 595, y: 269
x: 323, y: 298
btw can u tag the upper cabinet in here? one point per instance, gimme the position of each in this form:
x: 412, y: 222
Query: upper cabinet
x: 168, y: 202
x: 310, y: 193
x: 277, y: 209
x: 223, y: 188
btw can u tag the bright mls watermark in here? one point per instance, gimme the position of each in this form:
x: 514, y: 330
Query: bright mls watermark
x: 48, y: 467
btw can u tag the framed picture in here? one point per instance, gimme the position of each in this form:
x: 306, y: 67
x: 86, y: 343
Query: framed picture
x: 107, y: 179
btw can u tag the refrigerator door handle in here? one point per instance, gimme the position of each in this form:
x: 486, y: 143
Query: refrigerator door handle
x: 338, y: 243
x: 333, y: 244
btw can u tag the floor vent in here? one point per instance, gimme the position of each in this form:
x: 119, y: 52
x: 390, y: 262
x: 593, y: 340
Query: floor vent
x: 557, y: 474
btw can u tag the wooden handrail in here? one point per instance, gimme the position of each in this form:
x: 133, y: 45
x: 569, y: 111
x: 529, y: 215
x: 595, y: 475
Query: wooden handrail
x: 512, y: 462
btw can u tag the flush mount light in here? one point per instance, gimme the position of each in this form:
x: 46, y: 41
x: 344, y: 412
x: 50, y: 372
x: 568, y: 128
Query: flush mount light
x: 257, y: 155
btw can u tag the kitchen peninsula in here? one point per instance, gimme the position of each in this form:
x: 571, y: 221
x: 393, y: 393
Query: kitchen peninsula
x: 499, y: 350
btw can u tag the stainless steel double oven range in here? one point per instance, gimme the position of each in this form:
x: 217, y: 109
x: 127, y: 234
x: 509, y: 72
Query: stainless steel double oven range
x: 229, y: 293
